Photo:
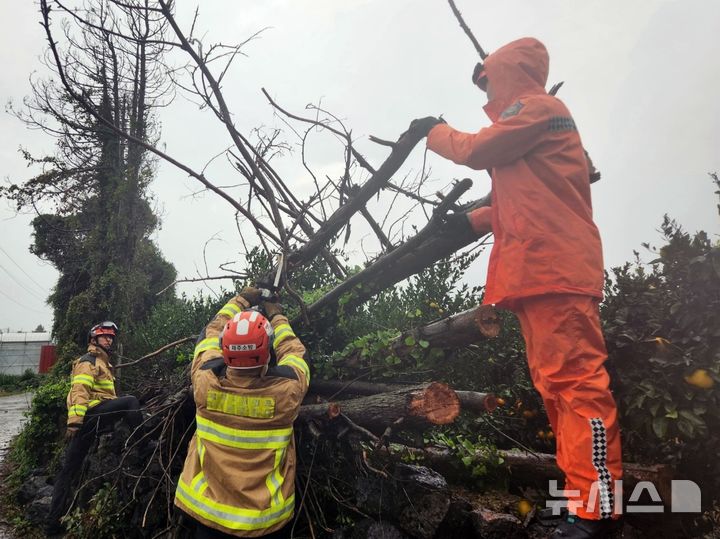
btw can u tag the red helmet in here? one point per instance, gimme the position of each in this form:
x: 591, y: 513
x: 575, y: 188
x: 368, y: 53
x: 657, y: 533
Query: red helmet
x: 103, y: 328
x: 246, y: 340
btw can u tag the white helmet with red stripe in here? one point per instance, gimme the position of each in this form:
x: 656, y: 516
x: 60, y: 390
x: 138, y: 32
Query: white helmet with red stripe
x: 246, y: 340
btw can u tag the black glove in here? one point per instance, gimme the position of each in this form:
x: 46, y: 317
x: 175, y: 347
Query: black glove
x: 271, y: 310
x: 251, y: 295
x: 423, y: 126
x: 478, y: 68
x: 458, y: 222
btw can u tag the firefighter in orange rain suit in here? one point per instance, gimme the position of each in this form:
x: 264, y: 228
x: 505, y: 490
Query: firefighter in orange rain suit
x: 239, y: 473
x: 546, y: 264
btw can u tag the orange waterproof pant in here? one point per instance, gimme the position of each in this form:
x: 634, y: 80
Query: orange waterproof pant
x: 566, y: 352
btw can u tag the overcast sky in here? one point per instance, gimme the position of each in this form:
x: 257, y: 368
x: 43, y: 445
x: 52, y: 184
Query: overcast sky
x: 641, y: 80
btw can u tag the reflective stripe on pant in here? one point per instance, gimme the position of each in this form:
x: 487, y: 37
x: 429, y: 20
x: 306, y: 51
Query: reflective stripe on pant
x: 566, y: 352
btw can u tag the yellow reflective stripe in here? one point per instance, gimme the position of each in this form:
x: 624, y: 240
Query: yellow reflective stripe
x: 105, y: 384
x: 200, y: 450
x: 77, y: 410
x: 243, y: 439
x: 201, y: 486
x: 231, y: 517
x: 241, y: 405
x: 282, y: 332
x: 93, y: 402
x: 229, y: 309
x: 275, y: 480
x: 296, y: 361
x: 84, y: 379
x: 195, y: 480
x: 211, y: 343
x: 199, y: 483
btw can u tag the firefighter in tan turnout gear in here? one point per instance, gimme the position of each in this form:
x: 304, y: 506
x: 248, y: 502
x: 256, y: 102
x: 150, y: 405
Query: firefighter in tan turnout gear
x: 92, y: 406
x: 239, y: 473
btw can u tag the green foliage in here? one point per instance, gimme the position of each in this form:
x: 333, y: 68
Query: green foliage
x: 98, y: 279
x: 12, y: 383
x: 102, y: 517
x: 35, y: 445
x: 367, y: 331
x: 662, y: 327
x: 169, y: 321
x: 476, y: 454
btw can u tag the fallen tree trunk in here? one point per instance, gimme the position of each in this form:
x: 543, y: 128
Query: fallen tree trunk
x: 415, y: 407
x: 434, y: 242
x: 455, y: 331
x: 542, y: 467
x: 536, y: 469
x: 472, y: 401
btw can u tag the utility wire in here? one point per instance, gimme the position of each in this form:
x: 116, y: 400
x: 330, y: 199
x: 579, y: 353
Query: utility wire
x: 21, y: 305
x: 20, y: 284
x: 43, y: 288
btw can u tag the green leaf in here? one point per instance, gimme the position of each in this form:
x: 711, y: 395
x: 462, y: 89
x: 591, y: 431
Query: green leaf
x: 691, y: 417
x: 672, y: 415
x: 686, y: 428
x: 423, y: 344
x: 659, y: 426
x: 409, y: 340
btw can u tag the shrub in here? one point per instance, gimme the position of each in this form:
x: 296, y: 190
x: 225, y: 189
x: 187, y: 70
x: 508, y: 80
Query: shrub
x: 36, y: 444
x: 662, y: 327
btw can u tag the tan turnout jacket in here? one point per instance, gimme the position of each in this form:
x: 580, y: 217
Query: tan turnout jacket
x: 92, y: 382
x: 239, y: 473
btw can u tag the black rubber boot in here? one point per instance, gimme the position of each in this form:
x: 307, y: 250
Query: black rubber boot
x: 575, y: 527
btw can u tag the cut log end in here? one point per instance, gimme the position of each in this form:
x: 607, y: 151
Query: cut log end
x: 487, y: 321
x: 437, y: 404
x: 490, y: 402
x: 333, y: 410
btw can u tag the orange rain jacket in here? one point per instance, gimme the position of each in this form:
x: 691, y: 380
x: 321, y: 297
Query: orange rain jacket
x: 239, y: 473
x: 545, y: 238
x: 92, y: 382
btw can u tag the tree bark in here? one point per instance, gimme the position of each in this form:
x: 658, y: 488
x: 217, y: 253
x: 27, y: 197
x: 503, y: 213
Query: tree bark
x: 414, y: 407
x: 434, y: 242
x: 543, y: 467
x: 455, y: 331
x: 472, y: 401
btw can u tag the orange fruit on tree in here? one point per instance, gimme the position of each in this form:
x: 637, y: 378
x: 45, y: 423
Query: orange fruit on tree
x: 524, y: 507
x: 700, y: 378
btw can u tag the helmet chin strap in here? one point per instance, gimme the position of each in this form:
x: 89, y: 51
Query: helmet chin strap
x: 108, y: 351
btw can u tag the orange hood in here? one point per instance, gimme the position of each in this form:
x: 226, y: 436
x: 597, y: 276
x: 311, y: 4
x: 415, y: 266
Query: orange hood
x: 517, y: 69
